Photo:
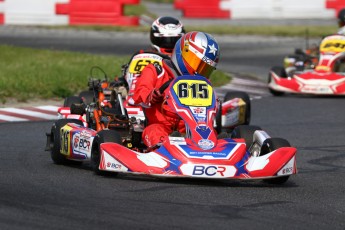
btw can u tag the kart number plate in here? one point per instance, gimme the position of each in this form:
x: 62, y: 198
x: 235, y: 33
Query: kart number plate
x: 139, y: 62
x: 335, y: 44
x: 194, y: 93
x: 317, y: 89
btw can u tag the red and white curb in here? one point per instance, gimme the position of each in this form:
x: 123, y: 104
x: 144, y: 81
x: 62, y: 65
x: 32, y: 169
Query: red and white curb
x: 38, y: 113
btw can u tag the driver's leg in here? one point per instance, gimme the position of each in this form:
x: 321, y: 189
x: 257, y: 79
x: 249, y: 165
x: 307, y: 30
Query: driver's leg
x: 155, y: 133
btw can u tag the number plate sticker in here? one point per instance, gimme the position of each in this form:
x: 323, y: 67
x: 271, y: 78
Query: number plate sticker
x: 334, y: 44
x: 139, y: 62
x: 193, y: 92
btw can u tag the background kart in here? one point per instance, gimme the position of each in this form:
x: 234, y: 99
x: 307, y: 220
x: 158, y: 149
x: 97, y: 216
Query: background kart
x: 235, y: 109
x: 249, y: 153
x: 328, y: 77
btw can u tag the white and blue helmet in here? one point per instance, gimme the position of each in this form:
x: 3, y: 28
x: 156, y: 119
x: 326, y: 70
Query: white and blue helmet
x: 196, y: 53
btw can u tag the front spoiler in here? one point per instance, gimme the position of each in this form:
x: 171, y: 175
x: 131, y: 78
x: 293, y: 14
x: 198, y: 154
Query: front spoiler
x: 116, y: 158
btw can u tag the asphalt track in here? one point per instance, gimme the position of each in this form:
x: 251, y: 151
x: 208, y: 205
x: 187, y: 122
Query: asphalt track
x: 36, y: 194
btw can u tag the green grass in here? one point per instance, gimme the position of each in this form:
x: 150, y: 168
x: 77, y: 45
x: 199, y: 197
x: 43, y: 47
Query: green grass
x: 33, y: 73
x: 219, y: 78
x: 46, y: 74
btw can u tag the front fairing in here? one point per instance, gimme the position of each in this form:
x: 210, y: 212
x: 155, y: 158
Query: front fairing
x: 193, y: 99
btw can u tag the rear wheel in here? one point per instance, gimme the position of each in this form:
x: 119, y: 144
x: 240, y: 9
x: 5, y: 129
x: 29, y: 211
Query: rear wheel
x: 87, y: 96
x: 245, y: 97
x: 270, y: 145
x: 102, y: 136
x: 55, y: 136
x: 219, y: 119
x: 246, y: 132
x: 72, y: 100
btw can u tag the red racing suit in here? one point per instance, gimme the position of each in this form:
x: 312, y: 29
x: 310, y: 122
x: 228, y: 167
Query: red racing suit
x: 161, y: 120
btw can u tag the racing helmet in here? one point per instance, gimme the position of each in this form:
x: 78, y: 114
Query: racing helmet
x: 341, y: 18
x: 164, y: 33
x: 196, y: 53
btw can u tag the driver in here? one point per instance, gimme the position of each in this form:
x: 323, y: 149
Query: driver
x: 195, y: 53
x: 164, y: 33
x: 341, y: 18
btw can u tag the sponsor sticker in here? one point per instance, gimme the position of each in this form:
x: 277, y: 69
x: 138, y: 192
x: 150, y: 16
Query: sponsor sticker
x: 202, y: 170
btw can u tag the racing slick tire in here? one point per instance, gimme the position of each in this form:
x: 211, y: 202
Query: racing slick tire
x: 72, y: 100
x: 87, y: 96
x: 270, y: 145
x: 102, y: 136
x: 245, y: 97
x: 245, y: 132
x: 218, y: 127
x: 55, y: 153
x: 280, y: 71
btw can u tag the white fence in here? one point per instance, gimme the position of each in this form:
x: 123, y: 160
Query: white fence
x: 242, y: 9
x: 32, y: 12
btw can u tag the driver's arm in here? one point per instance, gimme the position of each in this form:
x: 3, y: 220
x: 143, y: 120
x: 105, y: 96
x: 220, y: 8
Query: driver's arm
x: 145, y: 85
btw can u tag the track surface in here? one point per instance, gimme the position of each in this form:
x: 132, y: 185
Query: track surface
x: 36, y: 194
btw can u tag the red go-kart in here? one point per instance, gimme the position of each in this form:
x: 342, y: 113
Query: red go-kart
x: 247, y: 153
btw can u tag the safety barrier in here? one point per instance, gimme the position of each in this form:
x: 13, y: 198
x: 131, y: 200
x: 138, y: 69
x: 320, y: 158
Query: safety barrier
x: 335, y: 4
x: 2, y: 17
x: 274, y: 9
x: 101, y: 12
x: 201, y: 9
x: 32, y: 12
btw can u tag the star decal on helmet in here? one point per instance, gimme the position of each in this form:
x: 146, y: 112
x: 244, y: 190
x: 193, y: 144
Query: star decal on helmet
x: 213, y: 49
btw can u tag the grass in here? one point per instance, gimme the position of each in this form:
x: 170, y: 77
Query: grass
x: 28, y: 73
x: 33, y: 73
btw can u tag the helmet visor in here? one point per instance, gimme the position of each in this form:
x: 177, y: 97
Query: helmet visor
x: 165, y: 42
x: 198, y: 64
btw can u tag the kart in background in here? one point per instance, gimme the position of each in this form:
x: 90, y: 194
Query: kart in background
x: 235, y: 109
x: 327, y: 78
x: 248, y: 153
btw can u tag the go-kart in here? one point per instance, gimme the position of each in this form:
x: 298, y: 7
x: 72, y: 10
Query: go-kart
x: 235, y: 108
x: 327, y: 78
x: 249, y: 153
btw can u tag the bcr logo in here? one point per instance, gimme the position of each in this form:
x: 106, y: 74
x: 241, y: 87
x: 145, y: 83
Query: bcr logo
x: 200, y: 170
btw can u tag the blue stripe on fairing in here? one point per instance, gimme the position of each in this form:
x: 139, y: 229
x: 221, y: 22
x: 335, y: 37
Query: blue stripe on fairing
x: 241, y: 164
x: 174, y: 163
x: 224, y: 154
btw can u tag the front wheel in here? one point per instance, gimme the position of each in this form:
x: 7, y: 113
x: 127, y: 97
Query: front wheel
x: 270, y: 145
x: 102, y: 136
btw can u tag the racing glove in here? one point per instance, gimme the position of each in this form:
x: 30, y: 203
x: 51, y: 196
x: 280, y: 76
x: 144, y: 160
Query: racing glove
x: 155, y: 97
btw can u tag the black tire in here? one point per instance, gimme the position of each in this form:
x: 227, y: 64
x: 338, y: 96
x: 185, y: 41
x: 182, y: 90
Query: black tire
x: 219, y: 119
x: 87, y: 96
x: 72, y: 100
x: 78, y: 109
x: 102, y: 136
x: 245, y: 97
x: 55, y: 153
x: 270, y: 145
x: 246, y: 132
x: 280, y: 71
